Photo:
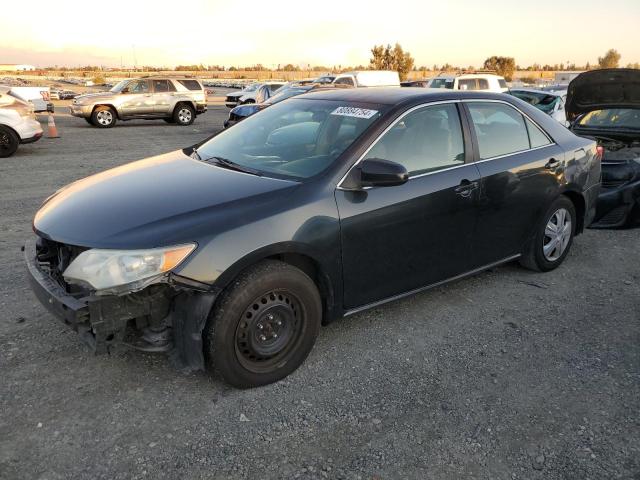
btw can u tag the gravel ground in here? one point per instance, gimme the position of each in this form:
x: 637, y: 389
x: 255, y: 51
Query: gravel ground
x: 506, y: 375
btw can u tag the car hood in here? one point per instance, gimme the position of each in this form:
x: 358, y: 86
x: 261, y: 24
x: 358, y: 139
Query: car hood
x: 159, y: 201
x: 600, y: 89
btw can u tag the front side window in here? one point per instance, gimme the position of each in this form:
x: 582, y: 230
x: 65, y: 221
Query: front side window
x: 483, y: 84
x: 424, y: 140
x: 138, y: 86
x: 295, y: 139
x: 499, y: 128
x: 502, y: 82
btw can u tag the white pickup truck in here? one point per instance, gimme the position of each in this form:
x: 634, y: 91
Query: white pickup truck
x: 368, y: 78
x: 39, y: 97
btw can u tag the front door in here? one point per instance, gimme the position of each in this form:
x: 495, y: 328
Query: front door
x: 396, y: 239
x: 138, y: 99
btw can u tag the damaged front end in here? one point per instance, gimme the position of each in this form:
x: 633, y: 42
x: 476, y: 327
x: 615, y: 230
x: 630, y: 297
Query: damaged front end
x: 167, y: 315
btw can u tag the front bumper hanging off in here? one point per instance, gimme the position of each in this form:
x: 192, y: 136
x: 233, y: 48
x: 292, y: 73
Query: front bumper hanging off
x: 102, y: 321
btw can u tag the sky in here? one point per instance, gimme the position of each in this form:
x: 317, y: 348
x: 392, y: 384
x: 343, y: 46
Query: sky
x: 324, y: 32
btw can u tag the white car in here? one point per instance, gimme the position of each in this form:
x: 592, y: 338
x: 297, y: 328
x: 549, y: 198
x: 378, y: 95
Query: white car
x: 470, y: 81
x: 368, y: 78
x: 248, y: 93
x: 18, y: 123
x: 550, y: 102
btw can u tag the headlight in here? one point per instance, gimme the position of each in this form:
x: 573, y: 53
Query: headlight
x: 105, y: 269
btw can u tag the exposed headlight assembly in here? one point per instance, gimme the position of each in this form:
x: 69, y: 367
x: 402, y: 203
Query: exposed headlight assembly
x: 135, y: 269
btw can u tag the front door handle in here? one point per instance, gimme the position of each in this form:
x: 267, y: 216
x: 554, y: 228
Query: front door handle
x: 465, y: 188
x: 552, y: 164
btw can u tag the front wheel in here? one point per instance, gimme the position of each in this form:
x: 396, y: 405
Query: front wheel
x: 103, y: 117
x: 264, y: 326
x: 9, y: 142
x: 553, y: 237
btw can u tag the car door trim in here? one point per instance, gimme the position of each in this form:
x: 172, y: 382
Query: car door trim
x: 408, y: 293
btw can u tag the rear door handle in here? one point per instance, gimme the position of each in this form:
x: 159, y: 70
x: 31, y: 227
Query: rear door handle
x: 465, y: 188
x: 552, y: 164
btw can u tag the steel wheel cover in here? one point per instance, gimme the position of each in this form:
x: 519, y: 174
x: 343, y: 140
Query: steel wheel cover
x: 557, y: 235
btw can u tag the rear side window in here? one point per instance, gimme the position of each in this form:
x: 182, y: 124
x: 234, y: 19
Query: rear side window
x: 500, y: 129
x: 502, y: 83
x: 190, y: 84
x: 467, y: 84
x: 423, y: 141
x: 163, y: 86
x: 537, y: 138
x: 344, y: 81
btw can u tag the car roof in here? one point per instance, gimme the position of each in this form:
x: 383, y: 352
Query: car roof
x: 399, y: 95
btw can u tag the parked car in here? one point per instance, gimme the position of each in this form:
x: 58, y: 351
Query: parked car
x: 248, y: 94
x: 605, y: 105
x: 241, y: 112
x: 321, y: 206
x: 550, y: 102
x: 424, y: 83
x: 174, y: 99
x: 18, y: 123
x: 368, y: 78
x: 67, y: 95
x: 470, y: 81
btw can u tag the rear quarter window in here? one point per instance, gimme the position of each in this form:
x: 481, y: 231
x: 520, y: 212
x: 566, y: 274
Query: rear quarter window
x: 190, y: 84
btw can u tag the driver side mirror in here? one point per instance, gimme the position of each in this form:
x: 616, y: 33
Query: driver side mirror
x: 377, y: 172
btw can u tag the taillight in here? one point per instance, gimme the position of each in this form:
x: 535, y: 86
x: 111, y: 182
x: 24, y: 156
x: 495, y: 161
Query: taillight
x: 599, y: 152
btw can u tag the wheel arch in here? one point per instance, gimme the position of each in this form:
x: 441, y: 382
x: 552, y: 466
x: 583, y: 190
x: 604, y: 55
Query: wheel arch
x: 111, y: 106
x: 296, y: 255
x: 579, y: 204
x: 9, y: 127
x: 183, y: 101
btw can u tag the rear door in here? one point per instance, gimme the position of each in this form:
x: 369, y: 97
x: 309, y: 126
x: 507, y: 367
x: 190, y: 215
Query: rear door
x: 396, y: 239
x: 163, y: 96
x: 520, y: 168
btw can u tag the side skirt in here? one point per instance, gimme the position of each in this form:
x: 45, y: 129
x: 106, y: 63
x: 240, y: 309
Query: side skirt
x: 428, y: 287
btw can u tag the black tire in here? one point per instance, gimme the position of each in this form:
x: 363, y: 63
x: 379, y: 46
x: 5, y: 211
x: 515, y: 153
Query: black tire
x: 103, y: 117
x: 264, y: 325
x: 9, y: 142
x: 541, y: 255
x: 184, y: 114
x: 89, y: 121
x: 169, y: 120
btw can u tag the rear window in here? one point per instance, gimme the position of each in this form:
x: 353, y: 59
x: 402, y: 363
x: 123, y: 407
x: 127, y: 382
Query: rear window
x: 190, y: 84
x: 612, y: 118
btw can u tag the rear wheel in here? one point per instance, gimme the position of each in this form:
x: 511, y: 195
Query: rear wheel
x: 553, y: 237
x: 264, y: 325
x: 9, y: 142
x: 103, y: 117
x: 184, y: 114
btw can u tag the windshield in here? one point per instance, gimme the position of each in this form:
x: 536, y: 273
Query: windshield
x: 541, y: 101
x: 117, y: 88
x: 251, y: 88
x: 283, y: 94
x: 441, y: 83
x: 612, y: 118
x: 295, y: 139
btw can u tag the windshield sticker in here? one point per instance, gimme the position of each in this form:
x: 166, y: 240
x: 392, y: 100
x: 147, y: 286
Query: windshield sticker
x: 354, y: 112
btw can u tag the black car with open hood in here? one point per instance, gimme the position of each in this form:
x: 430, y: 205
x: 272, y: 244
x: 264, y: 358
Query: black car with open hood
x: 605, y: 105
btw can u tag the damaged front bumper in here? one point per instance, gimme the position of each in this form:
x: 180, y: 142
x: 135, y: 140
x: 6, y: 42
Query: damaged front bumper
x: 103, y: 322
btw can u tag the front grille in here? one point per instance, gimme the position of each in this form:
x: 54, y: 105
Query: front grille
x: 54, y: 258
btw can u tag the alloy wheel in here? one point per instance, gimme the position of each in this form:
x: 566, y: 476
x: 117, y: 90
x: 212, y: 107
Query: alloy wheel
x: 105, y: 117
x: 184, y: 115
x: 557, y: 235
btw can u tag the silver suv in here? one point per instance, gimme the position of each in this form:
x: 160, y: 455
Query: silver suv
x: 174, y: 99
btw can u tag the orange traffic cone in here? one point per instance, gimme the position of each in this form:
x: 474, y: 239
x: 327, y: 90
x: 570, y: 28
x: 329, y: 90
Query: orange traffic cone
x: 52, y: 130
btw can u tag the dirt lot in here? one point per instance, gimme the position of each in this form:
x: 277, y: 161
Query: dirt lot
x: 506, y: 375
